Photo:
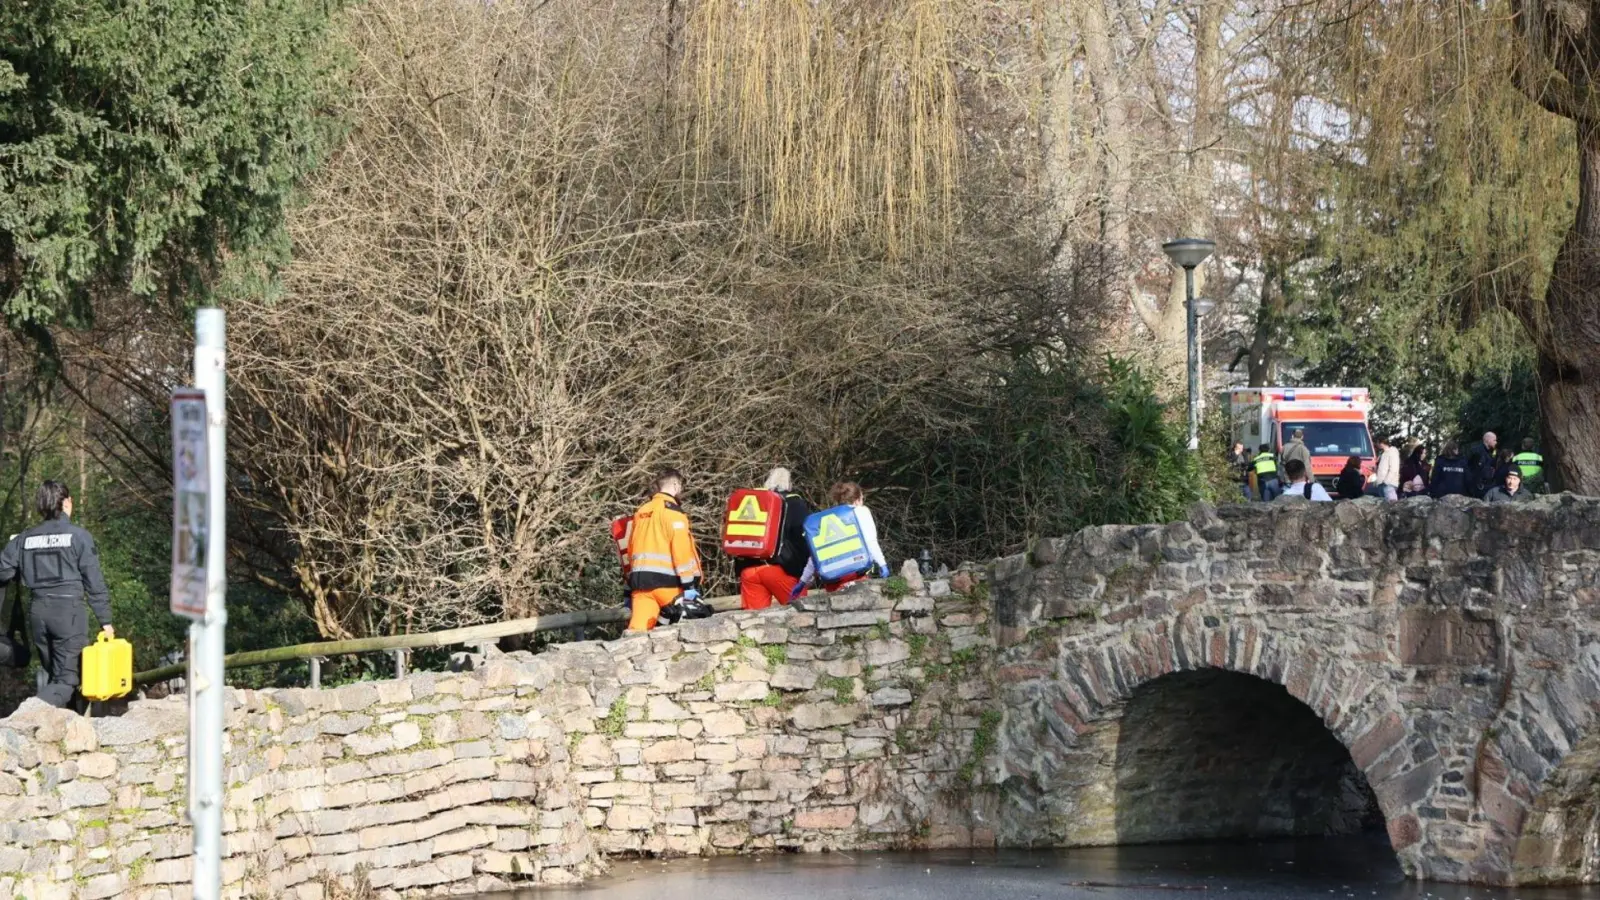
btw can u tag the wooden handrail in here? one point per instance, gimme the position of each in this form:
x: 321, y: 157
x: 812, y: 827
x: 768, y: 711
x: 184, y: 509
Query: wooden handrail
x: 472, y: 634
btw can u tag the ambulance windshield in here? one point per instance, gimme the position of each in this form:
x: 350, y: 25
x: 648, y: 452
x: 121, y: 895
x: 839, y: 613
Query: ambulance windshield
x: 1331, y: 438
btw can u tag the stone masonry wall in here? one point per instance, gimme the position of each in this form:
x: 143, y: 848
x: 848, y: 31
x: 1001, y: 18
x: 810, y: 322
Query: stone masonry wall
x: 853, y: 722
x: 1452, y: 647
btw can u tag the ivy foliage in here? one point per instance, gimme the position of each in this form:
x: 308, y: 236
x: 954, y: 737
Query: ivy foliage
x: 151, y: 146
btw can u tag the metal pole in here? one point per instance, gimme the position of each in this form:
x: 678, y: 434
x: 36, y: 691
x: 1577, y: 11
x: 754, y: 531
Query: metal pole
x: 206, y: 635
x: 1194, y: 361
x: 1200, y: 343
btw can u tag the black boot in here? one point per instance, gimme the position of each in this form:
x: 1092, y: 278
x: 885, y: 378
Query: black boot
x: 671, y: 613
x: 694, y: 609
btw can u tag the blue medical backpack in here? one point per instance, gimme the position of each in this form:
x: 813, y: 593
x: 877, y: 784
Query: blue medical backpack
x: 834, y: 537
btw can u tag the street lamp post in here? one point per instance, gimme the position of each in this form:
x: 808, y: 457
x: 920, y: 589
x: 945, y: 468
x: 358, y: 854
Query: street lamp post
x: 1189, y: 253
x: 1202, y: 308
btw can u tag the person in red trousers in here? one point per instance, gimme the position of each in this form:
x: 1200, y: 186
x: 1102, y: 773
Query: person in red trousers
x: 762, y: 581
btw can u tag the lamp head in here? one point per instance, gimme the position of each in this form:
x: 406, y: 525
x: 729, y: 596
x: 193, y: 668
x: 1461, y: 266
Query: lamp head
x: 1188, y: 252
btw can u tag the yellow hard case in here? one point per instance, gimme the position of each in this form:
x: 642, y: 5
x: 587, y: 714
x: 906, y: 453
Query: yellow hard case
x: 107, y: 668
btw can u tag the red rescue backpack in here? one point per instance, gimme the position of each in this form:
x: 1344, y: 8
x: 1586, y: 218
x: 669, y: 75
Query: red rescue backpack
x: 753, y: 525
x: 622, y: 532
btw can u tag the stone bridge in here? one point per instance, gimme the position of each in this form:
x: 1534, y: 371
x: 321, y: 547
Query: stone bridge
x: 1308, y: 669
x: 1424, y: 668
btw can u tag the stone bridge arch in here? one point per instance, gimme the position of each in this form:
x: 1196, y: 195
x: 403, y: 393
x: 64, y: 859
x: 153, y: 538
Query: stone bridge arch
x: 1449, y: 647
x: 1068, y: 747
x: 1541, y: 772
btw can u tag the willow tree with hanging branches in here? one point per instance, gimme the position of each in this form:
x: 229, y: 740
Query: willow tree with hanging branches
x: 1498, y: 97
x: 842, y: 117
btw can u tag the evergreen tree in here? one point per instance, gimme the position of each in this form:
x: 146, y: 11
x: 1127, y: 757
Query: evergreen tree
x: 150, y: 146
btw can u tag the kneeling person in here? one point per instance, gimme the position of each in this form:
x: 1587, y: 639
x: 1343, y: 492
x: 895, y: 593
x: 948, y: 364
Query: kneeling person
x: 663, y: 563
x: 58, y: 563
x: 778, y: 578
x: 864, y: 542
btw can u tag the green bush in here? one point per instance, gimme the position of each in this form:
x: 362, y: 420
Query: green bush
x: 1047, y: 448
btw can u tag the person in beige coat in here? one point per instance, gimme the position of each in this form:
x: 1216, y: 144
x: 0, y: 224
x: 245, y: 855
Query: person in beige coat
x: 1385, y: 480
x: 1296, y: 449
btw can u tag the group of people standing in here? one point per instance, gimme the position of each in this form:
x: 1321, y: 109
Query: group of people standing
x: 1486, y: 471
x: 662, y: 563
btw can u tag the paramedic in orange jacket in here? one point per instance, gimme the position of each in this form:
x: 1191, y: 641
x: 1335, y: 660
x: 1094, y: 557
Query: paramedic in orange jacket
x: 665, y: 565
x: 763, y: 581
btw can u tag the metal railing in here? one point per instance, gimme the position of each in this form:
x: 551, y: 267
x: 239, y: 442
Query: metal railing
x: 402, y: 644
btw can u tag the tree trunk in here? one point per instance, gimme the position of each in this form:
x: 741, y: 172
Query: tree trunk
x: 1262, y: 361
x: 1197, y: 183
x: 1567, y: 330
x: 1115, y: 145
x: 1063, y: 162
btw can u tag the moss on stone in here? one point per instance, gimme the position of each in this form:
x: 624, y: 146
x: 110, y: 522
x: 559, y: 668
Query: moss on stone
x: 905, y: 738
x: 615, y: 719
x: 844, y: 689
x: 919, y: 643
x: 983, y: 741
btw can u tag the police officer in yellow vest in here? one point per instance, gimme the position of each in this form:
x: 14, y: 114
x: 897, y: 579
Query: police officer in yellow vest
x: 1531, y: 465
x: 1264, y: 475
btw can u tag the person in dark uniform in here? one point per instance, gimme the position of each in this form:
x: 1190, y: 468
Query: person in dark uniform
x: 58, y: 563
x: 1452, y: 473
x: 1481, y: 465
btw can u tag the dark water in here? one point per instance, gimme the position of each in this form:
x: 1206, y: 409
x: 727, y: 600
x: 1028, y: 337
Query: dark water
x: 1275, y: 870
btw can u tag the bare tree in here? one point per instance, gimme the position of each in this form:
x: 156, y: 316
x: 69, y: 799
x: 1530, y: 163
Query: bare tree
x: 524, y: 281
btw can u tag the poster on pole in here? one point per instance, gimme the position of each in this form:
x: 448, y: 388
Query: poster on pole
x: 190, y: 501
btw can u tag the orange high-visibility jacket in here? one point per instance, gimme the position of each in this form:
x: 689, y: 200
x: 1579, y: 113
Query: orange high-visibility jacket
x: 661, y: 551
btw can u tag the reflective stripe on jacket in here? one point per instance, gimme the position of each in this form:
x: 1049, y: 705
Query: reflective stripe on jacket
x: 1264, y: 464
x: 661, y: 550
x: 1531, y: 464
